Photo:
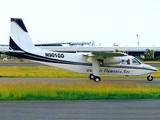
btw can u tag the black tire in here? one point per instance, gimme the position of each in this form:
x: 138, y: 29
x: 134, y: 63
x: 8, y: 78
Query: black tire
x: 149, y: 78
x: 97, y: 79
x: 91, y: 76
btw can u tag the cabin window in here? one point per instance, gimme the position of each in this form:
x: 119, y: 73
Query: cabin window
x: 135, y: 61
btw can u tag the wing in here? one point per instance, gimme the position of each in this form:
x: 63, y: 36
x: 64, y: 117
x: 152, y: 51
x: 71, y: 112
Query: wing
x: 105, y: 57
x: 105, y: 54
x: 109, y: 54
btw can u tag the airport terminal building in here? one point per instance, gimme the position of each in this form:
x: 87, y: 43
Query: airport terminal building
x: 135, y: 51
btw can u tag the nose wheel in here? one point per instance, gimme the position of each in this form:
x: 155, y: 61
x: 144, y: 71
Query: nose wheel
x: 95, y: 78
x: 149, y: 78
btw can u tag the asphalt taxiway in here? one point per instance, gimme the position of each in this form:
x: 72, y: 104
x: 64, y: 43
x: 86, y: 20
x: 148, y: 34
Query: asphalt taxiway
x: 68, y: 80
x: 81, y: 110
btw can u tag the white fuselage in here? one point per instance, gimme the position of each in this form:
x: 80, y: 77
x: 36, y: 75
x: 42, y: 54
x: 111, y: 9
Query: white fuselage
x: 79, y: 63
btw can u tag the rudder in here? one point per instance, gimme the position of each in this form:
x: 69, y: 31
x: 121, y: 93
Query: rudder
x: 19, y: 37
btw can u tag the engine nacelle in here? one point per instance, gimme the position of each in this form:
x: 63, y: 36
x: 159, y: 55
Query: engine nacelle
x: 114, y: 60
x: 109, y: 60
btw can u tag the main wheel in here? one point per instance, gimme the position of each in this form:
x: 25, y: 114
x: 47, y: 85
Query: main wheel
x: 97, y: 79
x: 149, y: 78
x: 91, y: 76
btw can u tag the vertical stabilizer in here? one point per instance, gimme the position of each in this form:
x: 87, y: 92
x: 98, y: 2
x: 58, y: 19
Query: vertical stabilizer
x: 19, y: 37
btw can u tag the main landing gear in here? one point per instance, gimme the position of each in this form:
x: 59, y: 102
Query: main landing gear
x: 149, y: 77
x: 95, y: 78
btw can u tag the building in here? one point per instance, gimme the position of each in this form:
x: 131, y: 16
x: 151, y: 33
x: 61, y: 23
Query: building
x: 135, y: 51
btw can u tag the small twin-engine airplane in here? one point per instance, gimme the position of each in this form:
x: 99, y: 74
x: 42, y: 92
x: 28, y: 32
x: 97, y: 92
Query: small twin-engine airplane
x: 93, y: 63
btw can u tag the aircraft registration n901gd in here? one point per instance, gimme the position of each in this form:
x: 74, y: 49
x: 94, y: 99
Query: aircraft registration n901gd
x: 92, y: 63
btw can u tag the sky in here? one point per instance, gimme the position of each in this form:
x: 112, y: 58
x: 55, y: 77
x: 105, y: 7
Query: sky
x: 103, y: 21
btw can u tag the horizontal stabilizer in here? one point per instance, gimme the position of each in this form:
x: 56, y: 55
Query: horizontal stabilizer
x: 11, y: 51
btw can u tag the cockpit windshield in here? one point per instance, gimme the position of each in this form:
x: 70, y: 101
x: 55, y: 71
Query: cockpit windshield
x: 136, y: 61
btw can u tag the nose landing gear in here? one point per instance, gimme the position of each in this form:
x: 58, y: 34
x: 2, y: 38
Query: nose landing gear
x: 149, y: 77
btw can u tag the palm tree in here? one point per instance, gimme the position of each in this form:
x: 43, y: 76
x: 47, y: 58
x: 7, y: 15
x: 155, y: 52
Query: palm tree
x: 149, y: 54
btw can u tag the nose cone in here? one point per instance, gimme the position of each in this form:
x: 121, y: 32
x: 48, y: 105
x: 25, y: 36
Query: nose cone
x: 149, y: 67
x: 156, y: 69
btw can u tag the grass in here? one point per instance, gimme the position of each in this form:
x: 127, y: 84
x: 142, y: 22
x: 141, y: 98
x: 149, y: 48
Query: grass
x: 79, y: 90
x: 36, y: 71
x: 70, y: 90
x: 48, y: 71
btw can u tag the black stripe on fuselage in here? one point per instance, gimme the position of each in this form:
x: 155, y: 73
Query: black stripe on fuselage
x: 20, y: 23
x: 32, y: 56
x: 130, y: 67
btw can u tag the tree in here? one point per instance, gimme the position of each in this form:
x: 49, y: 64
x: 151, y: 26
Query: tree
x: 149, y: 54
x: 116, y: 50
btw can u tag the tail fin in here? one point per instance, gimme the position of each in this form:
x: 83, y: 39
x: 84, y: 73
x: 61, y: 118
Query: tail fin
x: 19, y: 37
